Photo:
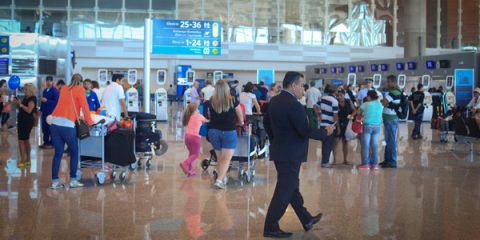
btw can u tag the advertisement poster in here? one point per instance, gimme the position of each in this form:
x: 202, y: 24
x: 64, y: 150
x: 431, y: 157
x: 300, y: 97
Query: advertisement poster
x: 463, y: 89
x: 266, y: 75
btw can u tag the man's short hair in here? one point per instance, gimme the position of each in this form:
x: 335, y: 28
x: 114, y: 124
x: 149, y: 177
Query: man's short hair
x: 419, y: 86
x: 262, y: 83
x: 392, y: 78
x: 312, y: 84
x: 116, y: 76
x: 290, y: 78
x: 49, y: 78
x: 208, y: 82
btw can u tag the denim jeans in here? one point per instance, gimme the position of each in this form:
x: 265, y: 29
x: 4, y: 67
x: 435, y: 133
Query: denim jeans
x: 327, y: 146
x: 391, y: 134
x: 418, y: 119
x: 60, y: 136
x: 370, y: 136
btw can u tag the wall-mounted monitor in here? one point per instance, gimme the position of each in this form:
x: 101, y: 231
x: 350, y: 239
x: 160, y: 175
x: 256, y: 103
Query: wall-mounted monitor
x: 444, y: 63
x: 384, y: 67
x: 333, y: 70
x: 411, y: 66
x: 4, y: 62
x: 317, y: 70
x: 352, y: 69
x: 47, y: 67
x: 323, y: 70
x: 161, y: 77
x: 337, y: 82
x: 400, y: 66
x: 374, y: 67
x: 361, y: 68
x: 430, y: 64
x: 341, y: 69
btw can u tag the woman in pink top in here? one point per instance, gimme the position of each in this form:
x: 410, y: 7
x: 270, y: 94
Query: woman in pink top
x: 192, y: 120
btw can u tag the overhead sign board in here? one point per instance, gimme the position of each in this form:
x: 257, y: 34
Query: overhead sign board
x: 4, y: 45
x: 187, y: 37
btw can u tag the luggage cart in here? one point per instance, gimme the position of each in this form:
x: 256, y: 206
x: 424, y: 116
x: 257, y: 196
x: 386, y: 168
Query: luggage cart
x: 93, y: 148
x: 241, y: 155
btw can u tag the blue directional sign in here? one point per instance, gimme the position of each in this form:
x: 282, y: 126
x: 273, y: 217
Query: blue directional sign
x: 187, y: 37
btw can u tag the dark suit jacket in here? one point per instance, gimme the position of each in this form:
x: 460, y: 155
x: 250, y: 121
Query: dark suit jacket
x: 287, y: 126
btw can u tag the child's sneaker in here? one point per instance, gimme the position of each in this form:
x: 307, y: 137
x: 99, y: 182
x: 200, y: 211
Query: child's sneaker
x: 57, y: 185
x: 376, y: 167
x: 184, y: 168
x: 75, y: 184
x: 364, y: 167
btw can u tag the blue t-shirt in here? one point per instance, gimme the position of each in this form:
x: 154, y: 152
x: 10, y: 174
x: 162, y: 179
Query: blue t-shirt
x: 372, y: 112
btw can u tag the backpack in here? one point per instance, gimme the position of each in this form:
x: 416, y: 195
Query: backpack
x: 402, y: 109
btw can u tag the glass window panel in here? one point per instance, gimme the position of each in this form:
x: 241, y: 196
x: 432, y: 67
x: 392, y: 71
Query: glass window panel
x: 470, y: 21
x: 384, y: 11
x: 190, y: 9
x: 431, y: 24
x: 55, y: 3
x: 5, y: 2
x: 82, y: 24
x: 241, y: 24
x: 314, y: 22
x: 163, y: 4
x: 82, y: 3
x: 217, y: 10
x: 266, y: 21
x: 5, y: 14
x: 54, y: 23
x: 137, y: 4
x: 110, y: 4
x: 27, y: 3
x: 338, y: 28
x: 291, y: 26
x: 109, y: 25
x: 82, y: 16
x: 134, y: 25
x: 400, y: 24
x: 28, y: 20
x: 164, y: 15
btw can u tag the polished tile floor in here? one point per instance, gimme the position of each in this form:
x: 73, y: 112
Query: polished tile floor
x: 434, y: 195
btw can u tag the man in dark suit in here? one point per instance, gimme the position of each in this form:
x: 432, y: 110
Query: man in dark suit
x: 287, y: 126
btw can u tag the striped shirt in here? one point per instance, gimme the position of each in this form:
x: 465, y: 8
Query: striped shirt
x: 329, y: 107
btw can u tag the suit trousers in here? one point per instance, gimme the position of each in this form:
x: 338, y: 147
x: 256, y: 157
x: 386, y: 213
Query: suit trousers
x: 286, y: 192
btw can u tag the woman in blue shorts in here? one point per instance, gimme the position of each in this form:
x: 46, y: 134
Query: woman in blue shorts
x: 225, y: 114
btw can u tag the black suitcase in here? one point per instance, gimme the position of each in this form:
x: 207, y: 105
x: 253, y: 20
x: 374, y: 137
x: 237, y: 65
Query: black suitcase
x: 119, y: 147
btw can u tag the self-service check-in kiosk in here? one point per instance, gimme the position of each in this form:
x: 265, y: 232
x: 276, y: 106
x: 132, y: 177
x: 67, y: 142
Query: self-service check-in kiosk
x: 428, y: 101
x: 449, y: 95
x: 217, y: 75
x: 161, y: 98
x: 188, y: 92
x: 132, y: 93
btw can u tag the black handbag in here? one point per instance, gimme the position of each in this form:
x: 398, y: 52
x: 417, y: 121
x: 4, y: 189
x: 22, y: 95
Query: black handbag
x: 83, y: 131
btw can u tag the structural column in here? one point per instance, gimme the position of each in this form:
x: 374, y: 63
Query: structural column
x: 415, y: 15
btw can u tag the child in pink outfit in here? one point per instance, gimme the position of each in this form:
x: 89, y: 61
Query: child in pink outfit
x: 192, y: 120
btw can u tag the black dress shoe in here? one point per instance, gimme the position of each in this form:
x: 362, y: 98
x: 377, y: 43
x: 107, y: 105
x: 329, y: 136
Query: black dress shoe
x: 383, y: 163
x: 388, y: 166
x: 308, y: 226
x: 277, y: 234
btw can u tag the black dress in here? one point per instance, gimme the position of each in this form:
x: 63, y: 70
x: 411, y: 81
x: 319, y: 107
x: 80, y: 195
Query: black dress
x: 343, y: 113
x: 25, y: 120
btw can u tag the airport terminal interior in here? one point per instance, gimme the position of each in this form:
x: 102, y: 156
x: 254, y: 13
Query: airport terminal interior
x: 119, y: 119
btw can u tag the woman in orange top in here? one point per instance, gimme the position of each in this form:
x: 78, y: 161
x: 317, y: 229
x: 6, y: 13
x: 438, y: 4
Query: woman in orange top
x: 72, y: 100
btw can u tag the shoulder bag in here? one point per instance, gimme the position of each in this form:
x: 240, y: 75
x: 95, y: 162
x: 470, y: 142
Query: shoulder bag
x: 83, y: 131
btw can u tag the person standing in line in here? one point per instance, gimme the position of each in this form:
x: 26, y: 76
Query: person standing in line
x: 417, y: 107
x: 96, y: 90
x: 207, y: 92
x: 346, y: 111
x: 313, y: 96
x: 263, y: 91
x: 372, y: 122
x: 289, y: 132
x: 71, y: 103
x: 194, y: 96
x: 60, y: 84
x: 6, y: 104
x: 391, y: 103
x: 329, y: 117
x: 49, y: 101
x: 114, y: 98
x: 224, y: 114
x: 92, y: 99
x: 192, y: 121
x: 351, y: 94
x: 249, y: 100
x: 368, y: 85
x: 171, y: 94
x: 27, y: 108
x: 275, y: 89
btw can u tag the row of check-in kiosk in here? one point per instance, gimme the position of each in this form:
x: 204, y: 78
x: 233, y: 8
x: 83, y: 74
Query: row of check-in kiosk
x: 456, y: 73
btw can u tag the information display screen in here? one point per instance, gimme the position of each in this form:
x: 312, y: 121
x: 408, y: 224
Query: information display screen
x: 431, y: 65
x: 333, y: 70
x: 361, y: 68
x: 374, y: 68
x: 187, y: 37
x: 4, y: 66
x: 340, y: 69
x: 352, y: 69
x: 384, y: 67
x: 412, y: 65
x: 400, y: 66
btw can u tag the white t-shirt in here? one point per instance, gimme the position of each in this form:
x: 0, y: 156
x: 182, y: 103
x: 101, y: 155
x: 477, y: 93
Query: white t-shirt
x: 111, y: 99
x: 313, y: 96
x: 207, y: 92
x: 247, y: 100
